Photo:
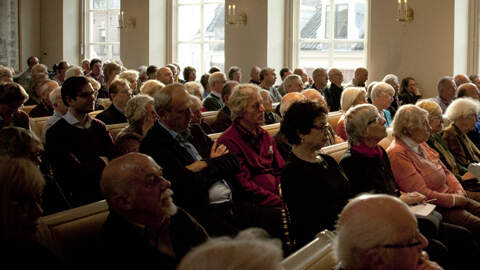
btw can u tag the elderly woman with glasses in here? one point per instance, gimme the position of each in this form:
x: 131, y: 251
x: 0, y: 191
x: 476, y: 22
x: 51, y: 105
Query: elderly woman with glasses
x: 417, y: 167
x: 438, y: 143
x: 382, y: 97
x: 310, y: 179
x: 350, y: 97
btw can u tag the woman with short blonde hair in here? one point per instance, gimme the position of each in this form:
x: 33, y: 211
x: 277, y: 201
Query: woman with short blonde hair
x: 350, y: 97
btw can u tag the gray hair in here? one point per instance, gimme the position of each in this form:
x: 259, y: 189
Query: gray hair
x: 215, y: 77
x: 443, y: 83
x: 357, y: 224
x: 239, y: 98
x: 391, y: 78
x: 349, y: 96
x: 408, y: 116
x: 163, y: 98
x: 73, y: 71
x: 251, y: 249
x: 461, y: 108
x: 151, y: 87
x: 136, y: 109
x: 194, y: 88
x: 130, y: 75
x: 356, y: 121
x: 382, y: 87
x: 290, y: 79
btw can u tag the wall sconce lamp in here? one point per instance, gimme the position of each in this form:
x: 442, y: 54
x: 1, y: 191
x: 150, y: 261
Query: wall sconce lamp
x: 234, y: 17
x: 124, y: 24
x: 404, y: 13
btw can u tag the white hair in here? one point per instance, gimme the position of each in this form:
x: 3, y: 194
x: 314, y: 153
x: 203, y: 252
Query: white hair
x: 249, y: 250
x: 356, y: 121
x: 194, y: 88
x: 461, y: 108
x: 381, y: 87
x: 408, y: 116
x: 136, y: 109
x: 238, y: 100
x: 73, y: 71
x: 130, y: 75
x: 290, y: 80
x: 215, y: 77
x: 349, y: 96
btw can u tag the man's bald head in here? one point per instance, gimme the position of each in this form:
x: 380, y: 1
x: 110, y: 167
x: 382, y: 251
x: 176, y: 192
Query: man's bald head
x: 461, y: 79
x: 165, y: 75
x: 315, y: 96
x: 468, y: 90
x: 288, y: 100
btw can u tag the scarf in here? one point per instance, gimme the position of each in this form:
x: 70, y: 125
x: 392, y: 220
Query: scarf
x: 364, y: 150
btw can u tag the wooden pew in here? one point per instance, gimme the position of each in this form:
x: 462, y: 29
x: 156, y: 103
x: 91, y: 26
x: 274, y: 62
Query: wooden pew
x: 71, y: 231
x: 210, y: 117
x: 333, y: 117
x: 316, y: 255
x: 271, y: 129
x: 38, y: 122
x: 115, y: 129
x: 28, y: 108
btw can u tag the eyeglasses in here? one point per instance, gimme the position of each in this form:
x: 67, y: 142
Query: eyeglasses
x: 321, y: 127
x: 418, y: 242
x: 377, y: 119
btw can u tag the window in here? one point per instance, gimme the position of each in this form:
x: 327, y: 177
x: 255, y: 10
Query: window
x: 200, y: 34
x: 102, y: 32
x: 332, y: 41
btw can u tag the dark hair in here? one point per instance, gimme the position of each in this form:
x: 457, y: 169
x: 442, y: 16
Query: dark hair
x: 72, y: 86
x: 213, y: 70
x: 300, y: 118
x: 404, y: 84
x: 232, y: 71
x: 227, y: 88
x: 204, y: 80
x: 151, y: 69
x: 187, y: 71
x: 94, y: 61
x: 10, y: 92
x: 283, y: 71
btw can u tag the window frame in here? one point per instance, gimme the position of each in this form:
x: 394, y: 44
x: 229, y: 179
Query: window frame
x: 202, y: 42
x: 86, y: 53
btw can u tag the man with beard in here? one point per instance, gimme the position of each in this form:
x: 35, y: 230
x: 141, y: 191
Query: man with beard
x: 144, y: 227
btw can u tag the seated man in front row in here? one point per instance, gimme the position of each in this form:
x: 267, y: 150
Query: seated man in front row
x: 380, y: 232
x: 144, y: 228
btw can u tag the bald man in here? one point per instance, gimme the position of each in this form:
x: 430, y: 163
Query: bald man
x: 334, y: 92
x: 359, y: 78
x: 380, y: 232
x: 144, y: 226
x: 461, y: 79
x: 165, y: 75
x: 44, y: 108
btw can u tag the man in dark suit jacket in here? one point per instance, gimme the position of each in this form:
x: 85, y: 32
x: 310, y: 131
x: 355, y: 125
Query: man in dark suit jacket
x: 213, y: 102
x: 200, y: 170
x: 120, y: 93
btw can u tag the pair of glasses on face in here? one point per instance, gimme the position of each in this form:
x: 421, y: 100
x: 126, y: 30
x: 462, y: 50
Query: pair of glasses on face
x: 321, y: 127
x: 377, y: 119
x: 413, y: 242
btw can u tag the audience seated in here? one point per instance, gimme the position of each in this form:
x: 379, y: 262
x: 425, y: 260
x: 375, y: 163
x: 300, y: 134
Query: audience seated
x: 475, y: 79
x: 392, y: 79
x: 368, y: 169
x: 59, y: 110
x: 206, y: 86
x: 150, y: 87
x: 78, y: 146
x: 44, y: 108
x: 12, y: 97
x: 96, y: 72
x: 131, y: 76
x: 164, y: 75
x: 284, y: 72
x: 38, y: 78
x: 267, y: 81
x: 350, y: 97
x: 120, y: 93
x: 409, y: 92
x: 417, y: 167
x: 213, y: 102
x: 255, y: 75
x: 235, y: 74
x: 249, y: 250
x: 197, y: 119
x: 360, y: 76
x: 110, y: 71
x: 194, y: 88
x: 382, y: 97
x: 320, y: 80
x: 85, y: 63
x: 270, y: 116
x: 437, y: 142
x: 283, y: 146
x: 446, y: 92
x: 308, y: 178
x: 293, y: 83
x: 334, y: 92
x: 144, y: 227
x: 189, y: 74
x: 461, y: 79
x: 152, y: 72
x: 61, y: 69
x: 304, y: 76
x: 73, y: 71
x: 21, y: 186
x: 26, y: 76
x: 256, y: 151
x: 224, y: 120
x: 380, y: 232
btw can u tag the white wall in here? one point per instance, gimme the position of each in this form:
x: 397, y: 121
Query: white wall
x: 51, y: 31
x: 71, y: 31
x: 460, y: 37
x: 423, y: 48
x: 29, y: 31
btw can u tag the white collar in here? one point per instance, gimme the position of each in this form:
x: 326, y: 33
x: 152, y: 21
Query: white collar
x: 412, y: 144
x: 72, y: 120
